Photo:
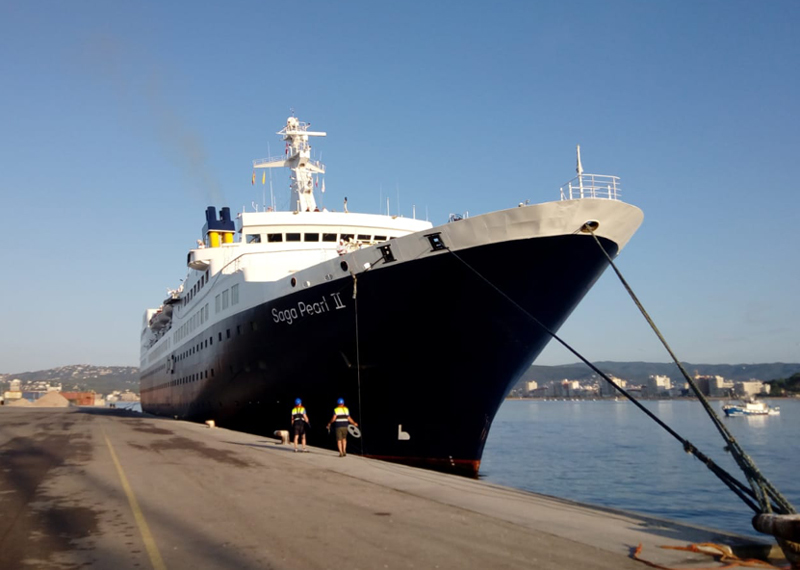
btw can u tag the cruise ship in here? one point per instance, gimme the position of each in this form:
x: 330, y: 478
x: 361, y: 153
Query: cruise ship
x: 422, y: 329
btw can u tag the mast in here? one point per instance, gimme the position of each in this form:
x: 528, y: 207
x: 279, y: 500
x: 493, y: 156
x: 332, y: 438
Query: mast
x: 298, y: 159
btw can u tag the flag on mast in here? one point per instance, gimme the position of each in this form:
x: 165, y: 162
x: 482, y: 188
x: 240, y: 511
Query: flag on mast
x: 263, y: 177
x: 253, y: 181
x: 579, y: 168
x: 323, y: 185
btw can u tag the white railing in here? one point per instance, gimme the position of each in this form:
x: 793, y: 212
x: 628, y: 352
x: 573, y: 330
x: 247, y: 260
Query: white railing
x: 592, y: 186
x: 281, y: 158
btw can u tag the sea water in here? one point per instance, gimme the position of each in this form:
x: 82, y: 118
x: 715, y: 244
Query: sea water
x: 610, y: 453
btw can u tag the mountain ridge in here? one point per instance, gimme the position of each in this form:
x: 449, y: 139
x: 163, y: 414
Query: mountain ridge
x: 104, y: 379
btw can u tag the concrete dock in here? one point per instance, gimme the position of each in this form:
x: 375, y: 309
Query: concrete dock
x: 83, y: 487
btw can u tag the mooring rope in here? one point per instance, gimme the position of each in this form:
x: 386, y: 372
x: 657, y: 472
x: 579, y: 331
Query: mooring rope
x: 742, y: 491
x: 358, y: 358
x: 367, y: 267
x: 760, y: 484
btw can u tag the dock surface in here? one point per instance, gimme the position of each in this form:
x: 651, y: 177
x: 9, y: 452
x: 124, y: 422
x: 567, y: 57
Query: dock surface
x: 83, y: 487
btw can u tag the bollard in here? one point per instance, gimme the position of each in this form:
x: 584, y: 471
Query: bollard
x: 786, y: 530
x: 210, y: 423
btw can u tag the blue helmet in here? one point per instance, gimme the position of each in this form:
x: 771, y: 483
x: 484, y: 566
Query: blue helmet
x: 340, y: 401
x: 298, y: 401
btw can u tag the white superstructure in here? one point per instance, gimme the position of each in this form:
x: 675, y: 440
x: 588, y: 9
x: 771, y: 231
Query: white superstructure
x: 269, y: 246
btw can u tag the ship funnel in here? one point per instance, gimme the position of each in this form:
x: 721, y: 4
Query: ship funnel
x: 219, y: 230
x: 225, y: 218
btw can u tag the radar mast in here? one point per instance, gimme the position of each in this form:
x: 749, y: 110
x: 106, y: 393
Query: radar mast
x: 297, y: 158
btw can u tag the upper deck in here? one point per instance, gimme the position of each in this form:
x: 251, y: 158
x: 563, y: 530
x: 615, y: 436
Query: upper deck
x: 314, y: 229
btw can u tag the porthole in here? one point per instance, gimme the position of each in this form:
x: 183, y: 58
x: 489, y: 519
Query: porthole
x: 294, y: 282
x: 343, y: 265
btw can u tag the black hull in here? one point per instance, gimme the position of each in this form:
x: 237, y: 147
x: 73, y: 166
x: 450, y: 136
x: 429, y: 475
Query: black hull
x: 427, y: 345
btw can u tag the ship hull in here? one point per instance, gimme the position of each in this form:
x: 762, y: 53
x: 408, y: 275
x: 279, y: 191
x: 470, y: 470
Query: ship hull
x: 424, y: 351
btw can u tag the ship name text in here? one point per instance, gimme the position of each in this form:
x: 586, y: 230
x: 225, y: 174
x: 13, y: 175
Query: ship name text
x: 304, y: 309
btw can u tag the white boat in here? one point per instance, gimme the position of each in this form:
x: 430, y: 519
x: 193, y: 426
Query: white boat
x: 750, y: 407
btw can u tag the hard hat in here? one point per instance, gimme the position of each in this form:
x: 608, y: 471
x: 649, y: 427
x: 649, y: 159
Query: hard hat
x: 298, y: 401
x: 340, y: 401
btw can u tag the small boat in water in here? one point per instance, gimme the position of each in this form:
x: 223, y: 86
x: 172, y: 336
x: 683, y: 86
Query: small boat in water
x: 750, y: 407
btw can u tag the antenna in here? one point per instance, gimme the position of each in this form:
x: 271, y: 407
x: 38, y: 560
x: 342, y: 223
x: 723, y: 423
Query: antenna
x: 271, y: 194
x: 264, y: 190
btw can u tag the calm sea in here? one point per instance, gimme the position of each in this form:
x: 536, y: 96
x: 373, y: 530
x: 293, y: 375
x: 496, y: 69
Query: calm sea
x: 610, y: 453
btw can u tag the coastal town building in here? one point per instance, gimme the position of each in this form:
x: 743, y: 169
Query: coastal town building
x: 656, y: 386
x: 80, y: 398
x: 607, y: 390
x: 714, y: 386
x: 750, y: 388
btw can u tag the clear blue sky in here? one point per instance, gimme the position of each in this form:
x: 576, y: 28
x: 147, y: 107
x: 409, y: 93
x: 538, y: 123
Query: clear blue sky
x: 121, y: 122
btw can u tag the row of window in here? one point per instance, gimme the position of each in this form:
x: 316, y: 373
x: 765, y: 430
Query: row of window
x: 180, y: 381
x: 196, y: 320
x: 193, y: 350
x: 196, y: 288
x: 153, y: 356
x: 224, y: 299
x: 221, y: 302
x: 149, y: 373
x: 312, y: 237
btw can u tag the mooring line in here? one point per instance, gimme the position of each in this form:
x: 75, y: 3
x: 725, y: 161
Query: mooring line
x: 760, y: 484
x: 358, y: 357
x: 741, y: 490
x: 150, y: 544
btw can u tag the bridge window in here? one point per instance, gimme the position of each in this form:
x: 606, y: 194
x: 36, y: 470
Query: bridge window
x: 293, y: 237
x: 380, y: 238
x: 253, y: 238
x: 272, y: 238
x: 328, y: 237
x: 311, y: 237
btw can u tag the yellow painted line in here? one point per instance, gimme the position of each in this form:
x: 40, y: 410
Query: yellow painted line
x: 149, y: 543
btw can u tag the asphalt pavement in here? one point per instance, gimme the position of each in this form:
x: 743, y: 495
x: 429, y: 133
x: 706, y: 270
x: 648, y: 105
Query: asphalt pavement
x: 102, y: 488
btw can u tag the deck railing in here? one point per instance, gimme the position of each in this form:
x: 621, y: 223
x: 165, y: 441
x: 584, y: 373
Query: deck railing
x: 280, y: 158
x: 592, y: 186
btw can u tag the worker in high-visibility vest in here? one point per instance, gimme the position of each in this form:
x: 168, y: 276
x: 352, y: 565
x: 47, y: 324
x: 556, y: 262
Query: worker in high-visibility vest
x: 340, y: 420
x: 299, y: 423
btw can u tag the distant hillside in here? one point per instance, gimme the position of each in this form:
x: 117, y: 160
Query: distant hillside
x: 105, y: 379
x: 638, y: 372
x: 83, y: 377
x: 789, y: 385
